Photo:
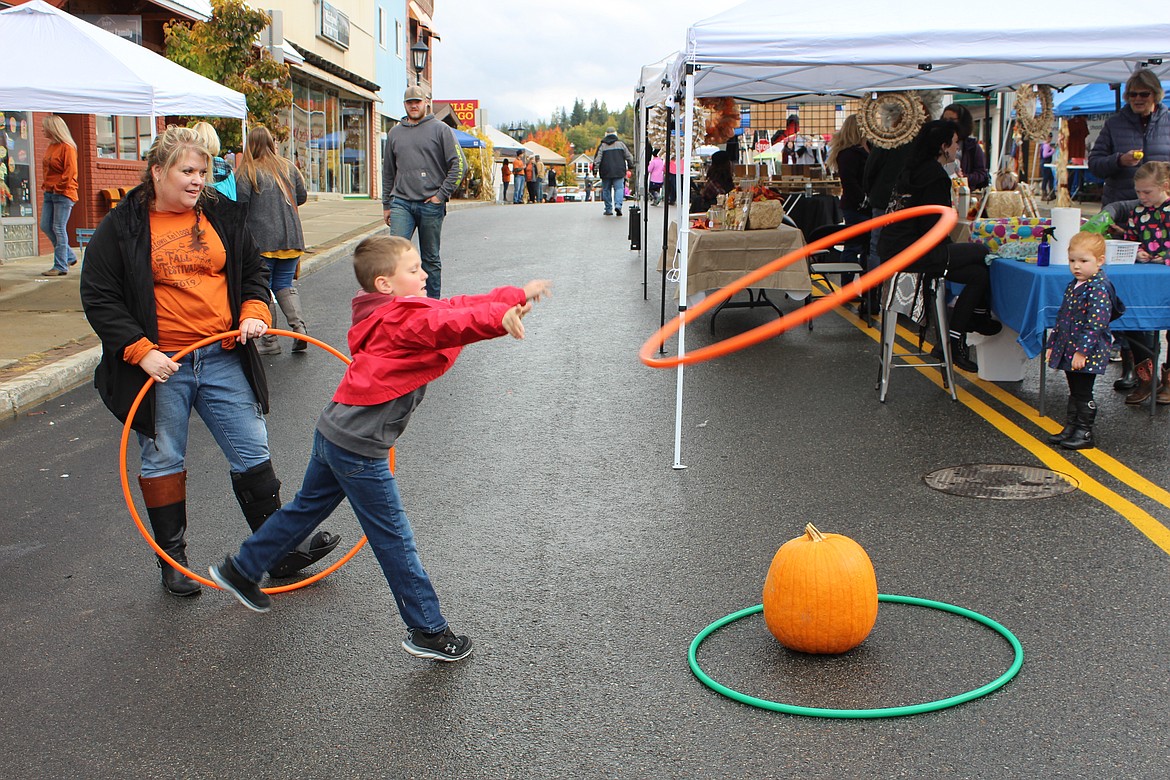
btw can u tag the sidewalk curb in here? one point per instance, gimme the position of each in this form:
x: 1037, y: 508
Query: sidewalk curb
x: 44, y: 384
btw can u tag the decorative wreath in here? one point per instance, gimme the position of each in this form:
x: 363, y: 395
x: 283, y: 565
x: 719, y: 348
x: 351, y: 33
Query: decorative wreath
x: 1033, y: 126
x: 873, y: 125
x: 656, y: 127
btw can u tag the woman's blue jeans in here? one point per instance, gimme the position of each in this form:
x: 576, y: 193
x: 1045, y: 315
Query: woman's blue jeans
x: 281, y: 272
x: 54, y: 221
x: 211, y: 381
x: 334, y: 474
x: 427, y: 218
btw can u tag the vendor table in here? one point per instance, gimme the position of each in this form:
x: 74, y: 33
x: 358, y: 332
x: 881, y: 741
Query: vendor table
x: 1026, y: 298
x: 719, y: 257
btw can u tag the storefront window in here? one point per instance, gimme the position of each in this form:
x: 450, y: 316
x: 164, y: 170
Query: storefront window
x: 123, y: 137
x: 18, y: 236
x: 353, y: 152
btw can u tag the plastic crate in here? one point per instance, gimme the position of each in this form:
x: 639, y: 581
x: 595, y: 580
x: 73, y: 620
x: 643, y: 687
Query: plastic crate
x: 1121, y: 252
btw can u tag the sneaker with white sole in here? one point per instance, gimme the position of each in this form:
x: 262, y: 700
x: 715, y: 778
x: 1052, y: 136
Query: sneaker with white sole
x: 443, y: 646
x: 248, y: 592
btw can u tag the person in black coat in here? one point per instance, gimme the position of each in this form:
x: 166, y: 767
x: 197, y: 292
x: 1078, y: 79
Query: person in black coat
x: 925, y: 182
x: 172, y: 265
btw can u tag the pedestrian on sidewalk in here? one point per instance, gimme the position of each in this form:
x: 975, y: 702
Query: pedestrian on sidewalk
x: 506, y: 176
x: 532, y: 179
x: 421, y: 168
x: 400, y: 342
x: 59, y: 181
x: 272, y: 189
x: 655, y: 174
x: 171, y: 265
x: 518, y: 172
x: 223, y: 173
x: 551, y: 174
x: 538, y: 170
x: 611, y: 162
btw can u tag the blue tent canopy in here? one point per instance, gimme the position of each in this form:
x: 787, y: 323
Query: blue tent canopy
x: 467, y: 140
x: 1089, y: 99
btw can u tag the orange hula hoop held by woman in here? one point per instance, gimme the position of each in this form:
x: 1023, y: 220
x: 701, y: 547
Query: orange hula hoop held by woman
x: 899, y: 262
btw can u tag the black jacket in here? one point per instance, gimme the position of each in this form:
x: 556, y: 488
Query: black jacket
x: 927, y: 185
x: 117, y: 293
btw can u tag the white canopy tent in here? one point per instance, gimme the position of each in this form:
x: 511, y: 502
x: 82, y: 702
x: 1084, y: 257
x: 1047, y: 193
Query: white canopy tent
x: 758, y: 51
x: 100, y: 73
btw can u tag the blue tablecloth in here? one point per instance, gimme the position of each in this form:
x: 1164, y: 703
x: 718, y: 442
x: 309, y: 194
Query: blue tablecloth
x: 1026, y: 297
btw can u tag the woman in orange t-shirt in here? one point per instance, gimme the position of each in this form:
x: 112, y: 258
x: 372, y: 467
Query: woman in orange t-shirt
x: 59, y: 180
x: 171, y: 265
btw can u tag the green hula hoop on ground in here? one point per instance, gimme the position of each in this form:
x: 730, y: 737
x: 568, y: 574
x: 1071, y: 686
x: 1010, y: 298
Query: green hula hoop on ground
x: 879, y: 712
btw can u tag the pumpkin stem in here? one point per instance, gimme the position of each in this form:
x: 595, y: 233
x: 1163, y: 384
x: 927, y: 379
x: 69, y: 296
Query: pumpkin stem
x: 813, y: 533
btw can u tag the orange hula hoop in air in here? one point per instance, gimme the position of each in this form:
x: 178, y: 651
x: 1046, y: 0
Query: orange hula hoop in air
x: 126, y: 480
x: 899, y: 262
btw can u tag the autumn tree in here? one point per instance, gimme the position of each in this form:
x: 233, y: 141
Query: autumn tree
x: 223, y: 49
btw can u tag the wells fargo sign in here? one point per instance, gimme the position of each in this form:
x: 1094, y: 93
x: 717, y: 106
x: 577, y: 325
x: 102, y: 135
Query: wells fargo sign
x: 464, y: 110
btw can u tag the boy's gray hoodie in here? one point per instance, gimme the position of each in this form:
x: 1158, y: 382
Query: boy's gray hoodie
x: 421, y: 159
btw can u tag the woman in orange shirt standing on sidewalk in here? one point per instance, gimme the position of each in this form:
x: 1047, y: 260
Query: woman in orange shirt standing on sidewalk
x: 59, y: 180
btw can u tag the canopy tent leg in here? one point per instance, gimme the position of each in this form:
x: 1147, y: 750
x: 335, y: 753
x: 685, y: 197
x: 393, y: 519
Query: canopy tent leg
x: 684, y: 230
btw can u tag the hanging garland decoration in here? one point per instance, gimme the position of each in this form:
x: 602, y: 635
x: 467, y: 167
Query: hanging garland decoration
x: 656, y: 128
x: 873, y: 126
x: 722, y: 119
x: 1033, y: 126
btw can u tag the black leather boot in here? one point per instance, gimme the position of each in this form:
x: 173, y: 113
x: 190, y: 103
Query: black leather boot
x: 1128, y: 380
x: 258, y: 492
x: 1081, y: 437
x: 166, y: 505
x: 1069, y: 425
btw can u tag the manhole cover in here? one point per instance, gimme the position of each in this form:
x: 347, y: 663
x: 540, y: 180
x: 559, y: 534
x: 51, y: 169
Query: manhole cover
x: 995, y: 480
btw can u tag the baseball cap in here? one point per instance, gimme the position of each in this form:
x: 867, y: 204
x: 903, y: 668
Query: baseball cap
x: 612, y: 130
x: 414, y: 93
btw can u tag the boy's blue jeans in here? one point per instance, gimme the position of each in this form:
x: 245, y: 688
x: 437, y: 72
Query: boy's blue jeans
x: 334, y: 474
x: 405, y: 217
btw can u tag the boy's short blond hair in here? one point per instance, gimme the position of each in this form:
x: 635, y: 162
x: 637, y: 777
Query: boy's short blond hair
x: 1093, y: 243
x: 378, y: 256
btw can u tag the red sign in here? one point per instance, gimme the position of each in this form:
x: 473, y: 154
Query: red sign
x: 464, y: 110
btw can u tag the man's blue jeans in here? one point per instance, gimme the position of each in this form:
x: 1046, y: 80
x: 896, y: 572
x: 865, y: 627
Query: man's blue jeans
x: 211, y: 381
x: 334, y: 474
x: 518, y: 184
x: 611, y: 193
x: 54, y: 218
x: 405, y: 217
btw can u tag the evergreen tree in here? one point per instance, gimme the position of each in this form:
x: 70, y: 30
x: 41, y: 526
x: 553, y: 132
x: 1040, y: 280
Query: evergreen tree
x: 578, y: 116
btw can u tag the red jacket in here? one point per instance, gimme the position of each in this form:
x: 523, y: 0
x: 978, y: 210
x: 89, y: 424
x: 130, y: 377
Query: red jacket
x: 400, y: 344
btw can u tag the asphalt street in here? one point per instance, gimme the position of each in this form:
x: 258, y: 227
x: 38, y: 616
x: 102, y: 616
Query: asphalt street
x: 538, y: 477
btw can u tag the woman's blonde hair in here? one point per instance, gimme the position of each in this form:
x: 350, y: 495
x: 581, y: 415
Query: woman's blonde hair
x: 54, y: 127
x: 1143, y: 77
x: 260, y: 158
x: 846, y: 138
x: 1156, y: 170
x: 168, y: 149
x: 209, y: 137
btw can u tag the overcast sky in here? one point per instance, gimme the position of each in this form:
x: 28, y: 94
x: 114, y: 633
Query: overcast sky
x: 523, y: 59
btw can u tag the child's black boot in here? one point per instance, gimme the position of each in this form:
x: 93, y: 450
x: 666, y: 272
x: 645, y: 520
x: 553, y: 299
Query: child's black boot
x: 1082, y: 436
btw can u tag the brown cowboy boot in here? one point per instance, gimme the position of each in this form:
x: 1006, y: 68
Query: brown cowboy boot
x: 1164, y: 386
x: 1145, y: 374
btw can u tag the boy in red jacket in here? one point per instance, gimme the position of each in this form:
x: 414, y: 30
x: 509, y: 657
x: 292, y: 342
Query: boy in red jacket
x: 400, y: 340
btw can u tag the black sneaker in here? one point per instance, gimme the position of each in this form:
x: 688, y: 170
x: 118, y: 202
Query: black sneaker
x: 619, y: 212
x: 443, y: 646
x: 248, y: 592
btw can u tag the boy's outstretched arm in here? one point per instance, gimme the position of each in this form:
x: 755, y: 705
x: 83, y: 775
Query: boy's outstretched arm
x: 511, y: 321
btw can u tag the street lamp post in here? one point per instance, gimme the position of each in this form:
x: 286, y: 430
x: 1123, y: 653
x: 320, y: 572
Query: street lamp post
x: 418, y: 55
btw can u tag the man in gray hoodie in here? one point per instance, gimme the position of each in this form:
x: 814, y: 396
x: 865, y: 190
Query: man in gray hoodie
x: 610, y: 163
x: 421, y: 167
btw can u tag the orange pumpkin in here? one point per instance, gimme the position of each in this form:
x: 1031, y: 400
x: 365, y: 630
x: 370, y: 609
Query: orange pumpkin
x: 821, y: 594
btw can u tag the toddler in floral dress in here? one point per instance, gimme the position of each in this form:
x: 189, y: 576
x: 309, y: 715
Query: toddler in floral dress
x: 1149, y: 225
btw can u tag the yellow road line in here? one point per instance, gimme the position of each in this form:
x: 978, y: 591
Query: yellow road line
x: 1158, y: 533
